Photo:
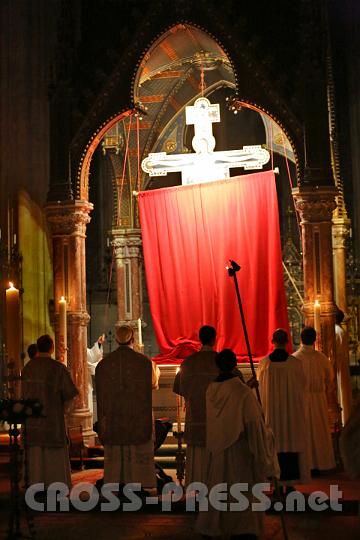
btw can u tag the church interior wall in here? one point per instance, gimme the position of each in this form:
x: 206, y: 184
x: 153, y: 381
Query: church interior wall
x: 266, y: 52
x: 27, y: 39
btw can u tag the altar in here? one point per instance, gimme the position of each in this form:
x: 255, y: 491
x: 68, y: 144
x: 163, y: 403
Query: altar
x: 164, y: 399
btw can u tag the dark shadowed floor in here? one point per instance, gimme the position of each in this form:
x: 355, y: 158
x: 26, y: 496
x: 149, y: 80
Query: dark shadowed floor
x: 150, y: 523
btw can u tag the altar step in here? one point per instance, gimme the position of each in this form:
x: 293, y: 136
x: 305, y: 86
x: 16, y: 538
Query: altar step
x: 93, y: 457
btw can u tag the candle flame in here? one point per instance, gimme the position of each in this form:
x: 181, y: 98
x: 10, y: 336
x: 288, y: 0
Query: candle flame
x: 62, y: 299
x: 317, y: 303
x: 11, y: 285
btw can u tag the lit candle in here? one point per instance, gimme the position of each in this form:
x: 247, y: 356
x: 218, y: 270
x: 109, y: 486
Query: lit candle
x: 178, y: 407
x: 13, y: 328
x: 62, y: 331
x: 140, y: 332
x: 317, y: 324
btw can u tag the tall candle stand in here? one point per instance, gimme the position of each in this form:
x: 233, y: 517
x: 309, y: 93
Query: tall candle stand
x: 16, y: 502
x: 15, y: 412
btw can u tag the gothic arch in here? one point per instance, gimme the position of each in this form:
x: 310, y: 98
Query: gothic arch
x: 254, y: 91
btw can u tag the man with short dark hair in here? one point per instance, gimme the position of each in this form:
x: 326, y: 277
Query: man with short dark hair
x: 124, y: 383
x: 48, y: 381
x: 207, y: 335
x: 32, y: 351
x: 317, y: 371
x: 282, y: 386
x: 239, y: 449
x: 191, y: 382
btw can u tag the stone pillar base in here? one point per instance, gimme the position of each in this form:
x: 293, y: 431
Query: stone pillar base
x: 83, y: 418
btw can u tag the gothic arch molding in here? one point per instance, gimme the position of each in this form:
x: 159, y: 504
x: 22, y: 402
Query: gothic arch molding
x: 254, y: 90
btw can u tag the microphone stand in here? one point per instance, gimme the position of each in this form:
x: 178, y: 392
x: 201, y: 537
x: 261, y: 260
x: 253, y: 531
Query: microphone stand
x: 233, y: 269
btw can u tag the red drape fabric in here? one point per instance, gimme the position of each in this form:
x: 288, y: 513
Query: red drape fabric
x: 189, y: 234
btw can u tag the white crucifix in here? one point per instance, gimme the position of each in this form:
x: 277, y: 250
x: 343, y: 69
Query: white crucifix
x: 204, y: 165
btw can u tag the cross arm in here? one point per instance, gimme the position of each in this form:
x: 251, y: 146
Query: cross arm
x: 159, y: 163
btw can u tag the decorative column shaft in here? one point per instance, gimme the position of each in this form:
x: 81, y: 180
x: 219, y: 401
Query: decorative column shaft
x: 341, y: 232
x: 127, y: 244
x: 315, y: 205
x: 68, y: 222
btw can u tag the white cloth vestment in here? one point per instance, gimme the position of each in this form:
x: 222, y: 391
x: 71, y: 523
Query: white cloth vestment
x: 94, y: 355
x: 317, y: 371
x: 239, y: 450
x: 282, y: 385
x: 343, y: 372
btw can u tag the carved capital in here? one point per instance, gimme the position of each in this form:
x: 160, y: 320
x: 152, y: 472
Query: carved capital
x: 127, y: 243
x: 68, y: 218
x: 134, y: 251
x: 341, y: 232
x: 80, y: 318
x: 315, y: 204
x: 130, y: 322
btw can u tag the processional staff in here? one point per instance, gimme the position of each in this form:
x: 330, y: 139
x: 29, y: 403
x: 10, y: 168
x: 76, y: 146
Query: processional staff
x: 233, y: 269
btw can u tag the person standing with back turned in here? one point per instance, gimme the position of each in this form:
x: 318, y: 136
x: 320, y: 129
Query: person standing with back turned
x: 191, y: 382
x: 48, y: 381
x: 282, y: 385
x: 124, y: 382
x: 317, y: 371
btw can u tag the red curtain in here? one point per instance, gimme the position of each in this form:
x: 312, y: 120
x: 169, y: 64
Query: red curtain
x: 189, y: 234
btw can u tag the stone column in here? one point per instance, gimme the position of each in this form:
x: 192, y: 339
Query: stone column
x: 68, y: 222
x: 341, y: 232
x: 127, y: 245
x: 315, y: 205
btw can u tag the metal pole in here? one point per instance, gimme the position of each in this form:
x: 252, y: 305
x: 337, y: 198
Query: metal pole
x: 232, y: 271
x: 246, y: 336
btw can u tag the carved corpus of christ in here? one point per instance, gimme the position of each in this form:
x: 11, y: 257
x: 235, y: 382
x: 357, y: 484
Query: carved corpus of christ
x: 204, y: 165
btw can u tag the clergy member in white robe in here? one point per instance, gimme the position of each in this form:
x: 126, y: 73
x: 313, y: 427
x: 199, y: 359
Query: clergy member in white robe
x: 94, y: 355
x: 191, y: 382
x: 318, y: 373
x: 48, y: 381
x: 342, y: 368
x: 240, y: 449
x: 282, y: 385
x: 124, y: 383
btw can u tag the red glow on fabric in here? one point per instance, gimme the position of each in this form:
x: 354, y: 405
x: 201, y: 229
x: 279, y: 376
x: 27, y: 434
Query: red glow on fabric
x: 189, y: 234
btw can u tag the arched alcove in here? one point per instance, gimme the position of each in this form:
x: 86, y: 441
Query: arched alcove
x: 180, y: 66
